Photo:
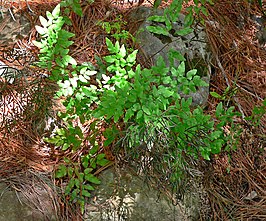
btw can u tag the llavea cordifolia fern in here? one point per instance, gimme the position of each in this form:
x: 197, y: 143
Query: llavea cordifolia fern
x: 78, y: 94
x: 141, y: 107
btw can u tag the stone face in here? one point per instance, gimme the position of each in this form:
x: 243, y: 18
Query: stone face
x: 122, y: 196
x: 14, y: 208
x: 192, y: 46
x: 260, y: 24
x: 29, y: 197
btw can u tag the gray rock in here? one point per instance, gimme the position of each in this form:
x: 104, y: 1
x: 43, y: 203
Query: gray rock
x: 123, y: 196
x: 14, y: 206
x: 260, y: 24
x: 192, y: 46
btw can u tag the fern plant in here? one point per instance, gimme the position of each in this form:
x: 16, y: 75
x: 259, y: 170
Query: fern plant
x: 141, y: 98
x: 171, y: 15
x: 146, y: 103
x: 79, y: 94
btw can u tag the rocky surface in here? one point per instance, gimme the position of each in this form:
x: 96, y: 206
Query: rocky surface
x: 260, y: 24
x: 192, y: 46
x: 123, y: 196
x: 14, y: 206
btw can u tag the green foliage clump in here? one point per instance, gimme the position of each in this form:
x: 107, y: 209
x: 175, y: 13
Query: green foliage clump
x: 146, y: 103
x: 71, y: 5
x: 74, y: 84
x: 148, y: 100
x: 227, y: 94
x: 54, y: 45
x: 257, y: 114
x: 116, y: 29
x: 171, y: 15
x: 80, y: 176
